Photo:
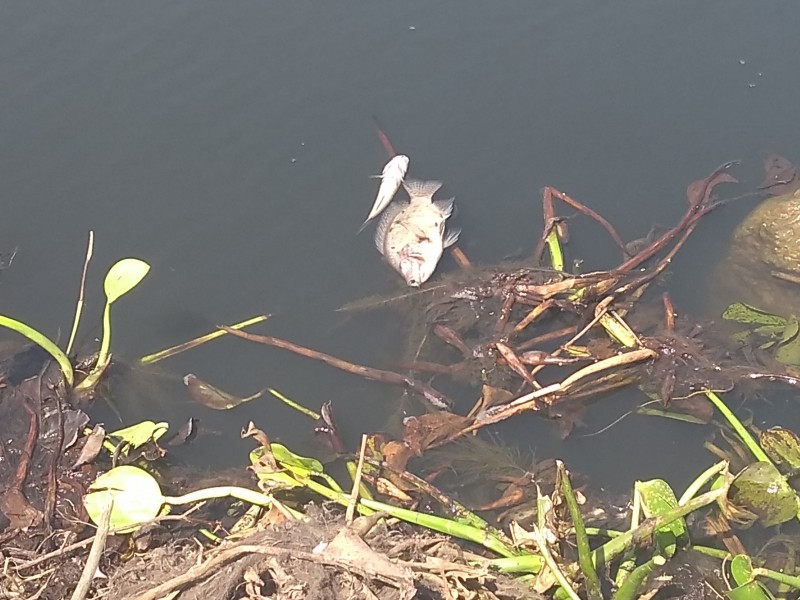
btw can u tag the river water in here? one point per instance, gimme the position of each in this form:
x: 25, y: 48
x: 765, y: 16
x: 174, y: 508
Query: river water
x: 230, y: 146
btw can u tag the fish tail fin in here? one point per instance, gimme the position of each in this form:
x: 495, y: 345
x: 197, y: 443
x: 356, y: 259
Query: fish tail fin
x: 421, y: 189
x: 451, y: 238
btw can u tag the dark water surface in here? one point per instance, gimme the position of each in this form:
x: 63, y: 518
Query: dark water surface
x: 230, y: 145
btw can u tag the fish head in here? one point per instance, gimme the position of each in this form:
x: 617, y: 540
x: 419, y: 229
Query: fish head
x: 418, y: 262
x: 411, y: 270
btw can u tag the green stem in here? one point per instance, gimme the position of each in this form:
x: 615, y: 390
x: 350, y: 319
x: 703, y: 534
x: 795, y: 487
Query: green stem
x: 106, y: 343
x: 173, y: 350
x: 602, y: 532
x: 556, y: 254
x: 792, y: 580
x: 436, y: 523
x: 713, y: 552
x: 527, y: 563
x: 630, y: 588
x: 79, y: 306
x: 242, y: 494
x: 701, y: 480
x: 47, y: 345
x: 628, y: 563
x: 613, y: 548
x: 291, y: 403
x: 541, y: 542
x: 740, y: 429
x: 581, y: 539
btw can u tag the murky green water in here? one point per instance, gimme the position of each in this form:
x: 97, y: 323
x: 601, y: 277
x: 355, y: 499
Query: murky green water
x: 231, y: 147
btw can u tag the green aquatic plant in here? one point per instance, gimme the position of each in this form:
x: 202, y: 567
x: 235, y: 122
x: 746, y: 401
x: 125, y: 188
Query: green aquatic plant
x: 136, y: 497
x: 46, y: 344
x: 767, y: 331
x: 122, y: 277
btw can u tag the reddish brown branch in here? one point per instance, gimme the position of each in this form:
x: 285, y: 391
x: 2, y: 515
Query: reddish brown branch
x: 387, y: 145
x: 547, y: 199
x: 433, y: 396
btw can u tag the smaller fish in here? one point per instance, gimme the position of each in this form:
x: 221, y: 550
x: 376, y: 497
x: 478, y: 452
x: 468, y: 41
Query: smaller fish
x: 391, y: 178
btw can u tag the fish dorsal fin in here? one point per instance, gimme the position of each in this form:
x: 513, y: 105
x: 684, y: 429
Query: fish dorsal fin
x: 421, y: 189
x: 445, y: 207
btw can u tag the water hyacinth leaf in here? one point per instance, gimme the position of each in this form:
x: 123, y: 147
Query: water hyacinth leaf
x: 748, y: 588
x: 749, y: 591
x: 782, y: 446
x: 762, y: 490
x: 742, y: 569
x: 791, y: 330
x: 212, y: 397
x: 770, y: 331
x: 789, y: 345
x: 45, y: 343
x: 141, y: 433
x: 658, y: 498
x: 123, y: 276
x: 750, y: 315
x: 303, y: 466
x: 186, y: 433
x: 91, y: 447
x: 292, y: 467
x: 136, y: 498
x: 268, y: 472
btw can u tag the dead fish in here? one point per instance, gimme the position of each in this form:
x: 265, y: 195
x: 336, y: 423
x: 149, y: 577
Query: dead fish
x: 411, y: 235
x: 391, y: 178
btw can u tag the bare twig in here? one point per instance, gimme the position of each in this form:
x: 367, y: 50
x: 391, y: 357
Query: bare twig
x: 351, y: 507
x: 95, y: 553
x: 79, y: 307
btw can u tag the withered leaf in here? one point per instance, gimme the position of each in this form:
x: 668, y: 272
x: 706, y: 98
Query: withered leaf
x: 326, y: 430
x: 492, y: 396
x: 697, y: 406
x: 515, y: 363
x: 512, y: 496
x: 74, y: 422
x: 185, y: 434
x: 256, y: 433
x: 780, y: 175
x: 213, y: 397
x: 19, y: 512
x: 698, y: 192
x: 423, y: 431
x: 396, y: 455
x: 91, y: 448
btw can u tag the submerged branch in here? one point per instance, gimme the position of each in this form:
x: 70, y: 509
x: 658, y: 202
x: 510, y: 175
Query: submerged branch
x: 433, y: 396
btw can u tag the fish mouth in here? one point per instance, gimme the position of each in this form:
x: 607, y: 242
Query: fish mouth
x: 411, y: 268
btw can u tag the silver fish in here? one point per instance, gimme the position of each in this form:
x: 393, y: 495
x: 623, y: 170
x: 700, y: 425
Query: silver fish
x: 411, y: 235
x: 391, y: 178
